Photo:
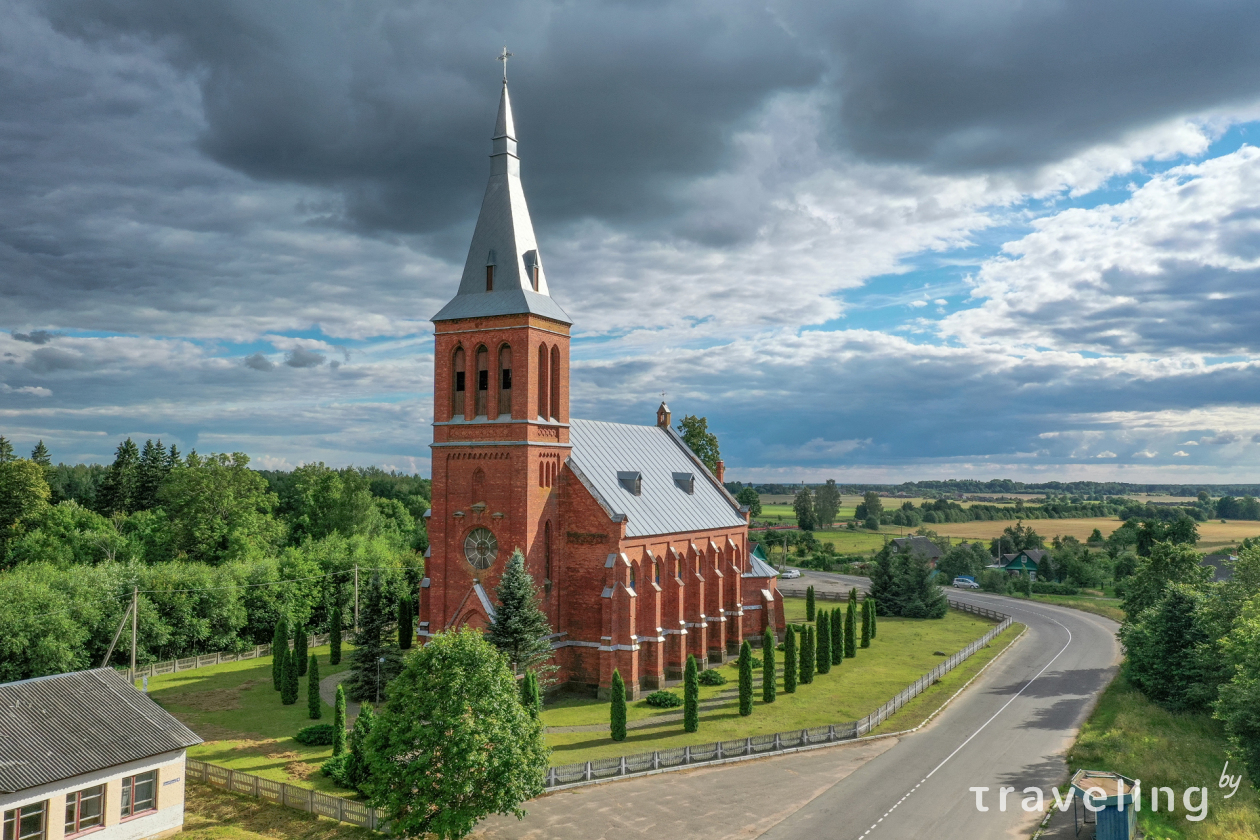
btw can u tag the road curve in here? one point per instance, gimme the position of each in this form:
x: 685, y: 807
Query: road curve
x: 1012, y: 728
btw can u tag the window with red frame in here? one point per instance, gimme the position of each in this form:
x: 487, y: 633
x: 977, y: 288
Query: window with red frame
x: 85, y: 809
x: 26, y: 823
x: 139, y: 794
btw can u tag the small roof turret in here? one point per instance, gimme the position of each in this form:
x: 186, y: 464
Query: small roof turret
x: 503, y: 274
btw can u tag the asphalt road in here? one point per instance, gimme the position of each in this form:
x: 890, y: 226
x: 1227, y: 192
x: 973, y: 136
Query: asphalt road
x: 1011, y: 728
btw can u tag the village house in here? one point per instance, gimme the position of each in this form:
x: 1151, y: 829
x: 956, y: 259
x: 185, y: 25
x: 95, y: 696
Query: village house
x: 920, y: 546
x: 1023, y: 562
x: 640, y: 553
x: 85, y: 753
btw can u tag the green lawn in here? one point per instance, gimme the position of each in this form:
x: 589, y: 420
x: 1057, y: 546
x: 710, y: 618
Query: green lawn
x: 214, y: 814
x: 903, y: 651
x: 1129, y: 734
x: 1106, y: 607
x: 234, y: 708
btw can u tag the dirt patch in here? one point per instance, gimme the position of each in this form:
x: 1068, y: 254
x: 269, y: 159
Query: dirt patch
x: 210, y: 732
x: 300, y: 770
x: 215, y: 700
x: 284, y: 756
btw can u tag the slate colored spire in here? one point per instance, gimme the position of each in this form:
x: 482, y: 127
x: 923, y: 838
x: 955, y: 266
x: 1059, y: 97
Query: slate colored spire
x: 504, y: 274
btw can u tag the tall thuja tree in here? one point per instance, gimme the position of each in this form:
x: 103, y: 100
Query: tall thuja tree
x: 314, y: 708
x: 373, y: 643
x: 866, y: 623
x: 405, y: 615
x: 150, y: 473
x: 117, y: 493
x: 853, y: 595
x: 745, y: 679
x: 874, y: 612
x: 531, y: 694
x: 850, y: 631
x: 289, y: 683
x: 334, y: 637
x: 617, y: 708
x: 359, y: 765
x: 691, y: 695
x: 807, y: 655
x: 790, y: 660
x: 279, y: 647
x: 837, y: 636
x: 339, y: 721
x: 810, y: 606
x: 300, y: 649
x: 768, y: 676
x: 824, y: 642
x: 520, y: 629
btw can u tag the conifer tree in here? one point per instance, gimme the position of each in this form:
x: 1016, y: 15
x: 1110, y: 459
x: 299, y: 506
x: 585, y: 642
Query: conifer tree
x: 358, y: 766
x: 850, y: 631
x: 150, y: 473
x: 853, y: 595
x: 520, y: 627
x: 339, y: 721
x: 617, y: 710
x: 790, y: 661
x: 374, y: 642
x: 824, y: 642
x: 300, y: 649
x: 6, y: 450
x: 807, y: 655
x: 810, y: 608
x: 745, y: 679
x: 531, y: 694
x: 866, y: 623
x: 405, y: 615
x: 837, y: 636
x: 768, y: 675
x: 117, y: 493
x: 173, y: 459
x: 314, y: 708
x: 334, y: 637
x: 40, y: 455
x: 874, y: 612
x: 289, y: 687
x: 279, y: 646
x: 691, y: 695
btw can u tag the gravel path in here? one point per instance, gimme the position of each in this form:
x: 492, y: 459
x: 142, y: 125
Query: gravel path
x: 328, y: 693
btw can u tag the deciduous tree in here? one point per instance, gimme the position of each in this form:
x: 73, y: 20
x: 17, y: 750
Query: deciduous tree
x: 703, y: 443
x: 750, y: 497
x: 803, y: 505
x: 827, y: 503
x: 334, y: 637
x: 406, y: 633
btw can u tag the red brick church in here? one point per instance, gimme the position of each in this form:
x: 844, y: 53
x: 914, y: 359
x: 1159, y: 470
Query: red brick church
x: 641, y: 554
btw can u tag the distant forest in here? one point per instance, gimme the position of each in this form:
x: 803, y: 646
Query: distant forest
x: 1005, y: 486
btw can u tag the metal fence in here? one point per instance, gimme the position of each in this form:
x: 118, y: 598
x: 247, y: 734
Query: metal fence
x: 629, y: 765
x: 204, y: 660
x: 304, y: 799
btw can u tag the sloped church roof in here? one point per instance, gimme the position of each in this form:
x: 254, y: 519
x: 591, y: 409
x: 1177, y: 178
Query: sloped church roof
x: 504, y: 238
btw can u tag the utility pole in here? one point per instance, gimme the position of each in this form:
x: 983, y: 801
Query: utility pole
x: 135, y: 625
x: 356, y: 597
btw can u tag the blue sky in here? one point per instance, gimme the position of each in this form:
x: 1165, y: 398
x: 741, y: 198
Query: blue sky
x: 880, y: 241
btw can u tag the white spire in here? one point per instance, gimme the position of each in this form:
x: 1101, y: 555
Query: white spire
x: 504, y: 239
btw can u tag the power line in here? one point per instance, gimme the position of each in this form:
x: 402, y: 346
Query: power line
x: 269, y: 583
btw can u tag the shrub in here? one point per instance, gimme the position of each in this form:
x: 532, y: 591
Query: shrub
x: 316, y: 735
x: 663, y: 700
x: 712, y: 677
x: 1047, y: 588
x: 756, y: 662
x: 335, y: 768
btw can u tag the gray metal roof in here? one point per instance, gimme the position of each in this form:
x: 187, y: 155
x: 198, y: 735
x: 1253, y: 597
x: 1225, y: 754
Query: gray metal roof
x: 601, y: 450
x: 59, y: 727
x: 757, y: 565
x: 919, y: 545
x: 504, y: 238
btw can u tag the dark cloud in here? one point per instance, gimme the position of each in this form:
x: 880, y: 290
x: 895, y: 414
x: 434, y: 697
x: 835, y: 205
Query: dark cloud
x: 34, y: 336
x: 258, y: 361
x: 300, y: 357
x: 1221, y: 439
x: 50, y: 360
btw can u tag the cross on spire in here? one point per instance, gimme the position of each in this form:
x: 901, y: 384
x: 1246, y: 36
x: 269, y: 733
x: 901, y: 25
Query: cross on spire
x: 504, y: 56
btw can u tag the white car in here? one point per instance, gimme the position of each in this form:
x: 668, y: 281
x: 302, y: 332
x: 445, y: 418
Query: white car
x: 965, y: 583
x: 790, y: 574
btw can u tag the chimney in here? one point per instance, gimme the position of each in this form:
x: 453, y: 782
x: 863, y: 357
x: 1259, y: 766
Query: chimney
x: 721, y: 472
x: 662, y: 416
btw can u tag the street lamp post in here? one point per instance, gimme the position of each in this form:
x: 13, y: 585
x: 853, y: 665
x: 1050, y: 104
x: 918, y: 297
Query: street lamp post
x: 378, y: 680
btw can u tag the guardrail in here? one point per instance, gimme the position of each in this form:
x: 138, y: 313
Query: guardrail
x: 819, y: 596
x: 205, y: 660
x: 589, y: 772
x: 303, y: 799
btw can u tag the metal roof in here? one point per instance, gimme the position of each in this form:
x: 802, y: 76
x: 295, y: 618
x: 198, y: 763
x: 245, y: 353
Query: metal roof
x: 504, y: 238
x: 758, y: 566
x: 663, y: 506
x: 59, y: 727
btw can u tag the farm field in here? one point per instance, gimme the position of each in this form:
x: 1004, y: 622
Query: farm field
x: 903, y: 650
x: 238, y: 713
x: 1213, y: 534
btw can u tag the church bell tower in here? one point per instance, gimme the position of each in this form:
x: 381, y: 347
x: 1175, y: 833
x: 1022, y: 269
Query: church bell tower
x: 500, y: 410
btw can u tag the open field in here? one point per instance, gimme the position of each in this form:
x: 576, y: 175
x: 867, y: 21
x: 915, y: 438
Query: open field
x: 1106, y: 607
x: 1131, y: 735
x: 213, y: 814
x: 235, y: 709
x: 1212, y: 534
x: 903, y: 651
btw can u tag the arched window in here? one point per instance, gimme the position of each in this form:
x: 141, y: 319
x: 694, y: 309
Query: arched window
x: 483, y: 379
x: 632, y: 581
x: 543, y: 390
x: 458, y: 384
x: 490, y: 261
x: 505, y: 380
x: 555, y: 383
x: 656, y: 571
x: 547, y: 549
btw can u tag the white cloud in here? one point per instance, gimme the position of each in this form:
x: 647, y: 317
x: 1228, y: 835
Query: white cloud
x: 1105, y: 454
x: 1145, y: 453
x: 33, y: 390
x: 1181, y: 453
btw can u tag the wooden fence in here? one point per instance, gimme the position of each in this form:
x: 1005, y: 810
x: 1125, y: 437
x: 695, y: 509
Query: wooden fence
x: 204, y: 660
x: 304, y: 799
x: 581, y: 773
